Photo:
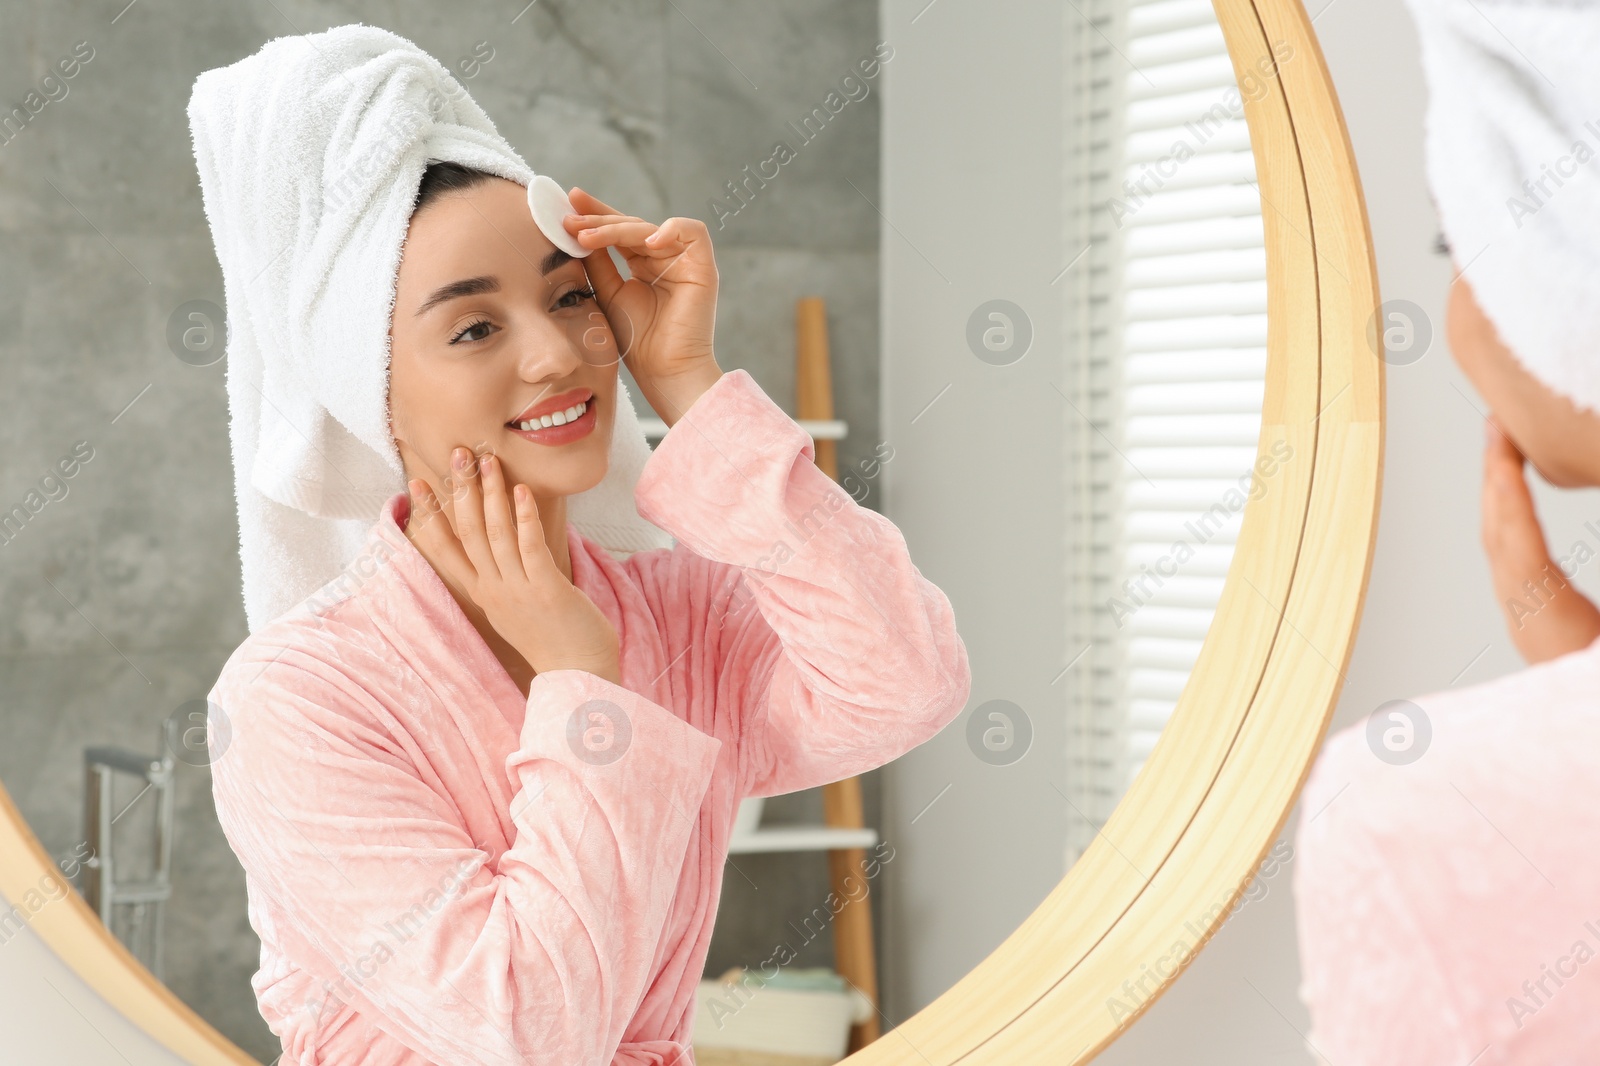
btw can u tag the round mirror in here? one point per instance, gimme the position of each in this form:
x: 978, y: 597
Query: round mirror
x: 1078, y: 297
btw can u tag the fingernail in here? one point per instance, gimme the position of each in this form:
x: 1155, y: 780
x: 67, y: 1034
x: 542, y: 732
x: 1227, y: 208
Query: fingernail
x: 653, y: 238
x: 483, y: 463
x: 460, y: 458
x: 573, y: 217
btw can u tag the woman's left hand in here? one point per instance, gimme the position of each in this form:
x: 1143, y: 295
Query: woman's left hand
x: 1545, y: 614
x: 663, y: 316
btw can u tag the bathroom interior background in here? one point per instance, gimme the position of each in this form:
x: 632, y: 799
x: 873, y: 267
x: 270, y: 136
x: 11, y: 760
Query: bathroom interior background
x: 636, y: 98
x: 123, y: 594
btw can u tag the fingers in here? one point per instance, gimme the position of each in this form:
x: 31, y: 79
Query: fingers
x: 1511, y: 531
x: 645, y: 246
x: 588, y: 202
x: 1535, y: 599
x: 637, y: 237
x: 1499, y: 451
x: 676, y: 234
x: 535, y: 553
x: 467, y: 510
x: 498, y: 527
x: 603, y: 275
x: 631, y: 235
x: 590, y: 209
x: 605, y: 227
x: 429, y: 526
x: 428, y: 512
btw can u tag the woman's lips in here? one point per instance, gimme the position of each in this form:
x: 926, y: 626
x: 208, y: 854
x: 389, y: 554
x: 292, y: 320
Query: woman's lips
x: 553, y: 436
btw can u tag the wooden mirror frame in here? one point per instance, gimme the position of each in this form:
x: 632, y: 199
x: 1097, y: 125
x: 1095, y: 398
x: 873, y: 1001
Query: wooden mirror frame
x: 1184, y: 843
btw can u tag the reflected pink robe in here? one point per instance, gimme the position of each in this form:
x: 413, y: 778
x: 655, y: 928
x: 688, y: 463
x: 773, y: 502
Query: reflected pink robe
x: 1449, y: 908
x: 442, y: 871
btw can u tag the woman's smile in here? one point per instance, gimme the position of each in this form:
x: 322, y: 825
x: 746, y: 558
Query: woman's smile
x: 560, y: 420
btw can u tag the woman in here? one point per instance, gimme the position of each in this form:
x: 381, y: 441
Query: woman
x: 482, y: 782
x: 1448, y: 896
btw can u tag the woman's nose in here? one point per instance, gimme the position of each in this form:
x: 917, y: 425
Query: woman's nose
x: 549, y: 350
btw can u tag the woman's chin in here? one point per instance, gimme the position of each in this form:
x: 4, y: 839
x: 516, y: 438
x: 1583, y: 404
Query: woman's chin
x: 564, y: 478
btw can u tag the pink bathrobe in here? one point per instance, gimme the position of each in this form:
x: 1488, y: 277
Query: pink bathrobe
x: 443, y: 871
x: 1449, y: 908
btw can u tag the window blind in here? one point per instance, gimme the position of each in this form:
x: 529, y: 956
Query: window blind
x: 1167, y: 373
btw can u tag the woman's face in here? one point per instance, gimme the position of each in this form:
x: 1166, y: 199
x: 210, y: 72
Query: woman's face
x: 1562, y: 442
x: 491, y: 321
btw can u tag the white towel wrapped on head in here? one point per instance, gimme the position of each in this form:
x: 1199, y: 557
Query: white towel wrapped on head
x: 310, y: 153
x: 1513, y: 158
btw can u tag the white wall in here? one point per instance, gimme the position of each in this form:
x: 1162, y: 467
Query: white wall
x: 972, y: 165
x: 970, y: 158
x: 47, y: 1014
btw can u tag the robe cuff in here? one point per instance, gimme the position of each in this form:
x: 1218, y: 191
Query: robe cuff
x: 735, y: 476
x: 632, y: 753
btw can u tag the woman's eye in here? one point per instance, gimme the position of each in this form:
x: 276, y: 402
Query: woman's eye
x: 479, y: 330
x: 482, y: 323
x: 575, y: 297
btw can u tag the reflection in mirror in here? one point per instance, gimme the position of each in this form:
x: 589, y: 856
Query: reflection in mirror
x: 1143, y: 312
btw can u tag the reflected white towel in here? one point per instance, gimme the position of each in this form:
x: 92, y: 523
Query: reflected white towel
x: 1513, y: 139
x: 310, y: 153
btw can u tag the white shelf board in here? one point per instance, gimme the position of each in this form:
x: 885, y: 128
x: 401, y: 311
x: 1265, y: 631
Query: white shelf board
x: 831, y: 429
x: 801, y: 838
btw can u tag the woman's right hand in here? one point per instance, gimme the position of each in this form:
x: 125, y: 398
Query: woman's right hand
x: 494, y: 548
x: 1554, y: 618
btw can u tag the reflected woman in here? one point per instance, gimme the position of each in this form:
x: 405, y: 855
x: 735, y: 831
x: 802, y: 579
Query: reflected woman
x: 1449, y: 903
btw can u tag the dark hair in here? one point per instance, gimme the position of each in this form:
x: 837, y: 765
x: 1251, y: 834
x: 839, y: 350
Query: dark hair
x: 442, y: 177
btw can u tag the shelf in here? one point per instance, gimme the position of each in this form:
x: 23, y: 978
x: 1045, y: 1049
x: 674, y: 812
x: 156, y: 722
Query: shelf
x: 831, y: 429
x: 801, y: 838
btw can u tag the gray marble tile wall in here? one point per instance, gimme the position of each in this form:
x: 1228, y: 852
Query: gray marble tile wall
x: 122, y: 591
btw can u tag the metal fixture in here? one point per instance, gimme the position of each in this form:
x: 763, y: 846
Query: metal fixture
x: 141, y: 904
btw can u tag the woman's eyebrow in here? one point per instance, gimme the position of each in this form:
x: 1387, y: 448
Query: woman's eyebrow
x: 465, y: 287
x: 485, y: 283
x: 557, y: 258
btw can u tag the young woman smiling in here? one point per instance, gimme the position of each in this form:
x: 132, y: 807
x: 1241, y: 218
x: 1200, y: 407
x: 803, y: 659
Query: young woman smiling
x: 483, y: 795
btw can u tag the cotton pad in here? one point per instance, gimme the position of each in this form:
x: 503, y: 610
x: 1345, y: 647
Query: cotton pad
x: 549, y: 204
